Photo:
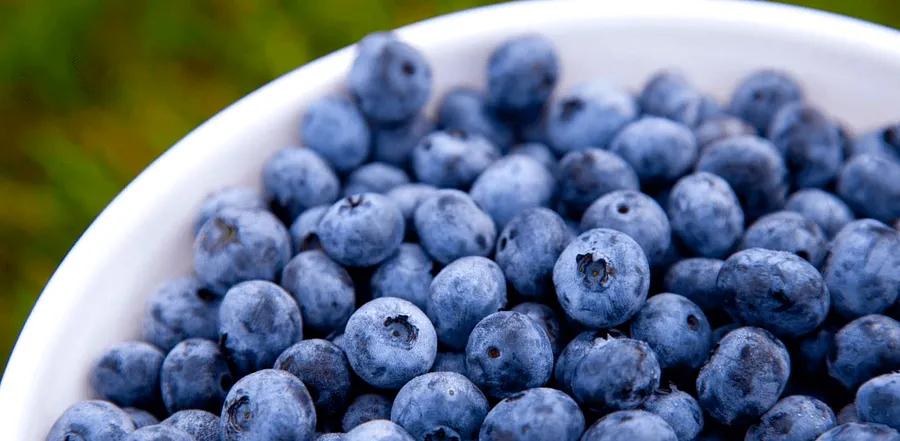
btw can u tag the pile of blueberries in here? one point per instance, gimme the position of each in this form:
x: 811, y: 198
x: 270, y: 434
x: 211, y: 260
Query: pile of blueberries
x: 594, y: 266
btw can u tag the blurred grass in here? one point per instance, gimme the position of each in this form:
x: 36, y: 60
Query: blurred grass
x: 91, y: 91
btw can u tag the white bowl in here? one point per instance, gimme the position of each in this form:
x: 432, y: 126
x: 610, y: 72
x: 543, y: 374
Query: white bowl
x: 96, y: 297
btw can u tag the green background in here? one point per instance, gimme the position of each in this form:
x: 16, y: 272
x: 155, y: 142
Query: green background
x: 91, y: 91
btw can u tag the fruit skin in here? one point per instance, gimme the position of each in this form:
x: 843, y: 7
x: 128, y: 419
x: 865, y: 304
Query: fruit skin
x: 695, y: 278
x: 676, y: 329
x: 589, y: 115
x: 571, y: 355
x: 178, y: 310
x: 511, y: 185
x: 521, y: 74
x: 303, y: 229
x: 705, y: 214
x: 364, y: 408
x: 298, y: 178
x: 235, y: 246
x: 870, y: 185
x: 374, y: 177
x: 388, y: 341
x: 465, y: 109
x: 761, y: 94
x: 720, y: 127
x: 405, y: 275
x: 323, y: 369
x: 140, y: 417
x: 860, y: 432
x: 450, y: 225
x: 127, y: 374
x: 195, y: 375
x: 546, y: 318
x: 335, y: 129
x: 864, y: 348
x: 390, y: 79
x: 878, y: 400
x: 667, y: 94
x: 882, y: 141
x: 92, y: 420
x: 539, y: 414
x: 159, y: 432
x: 631, y: 425
x: 848, y: 414
x: 793, y: 418
x: 440, y: 404
x: 744, y: 376
x: 242, y: 198
x: 378, y: 430
x: 539, y: 152
x: 323, y: 291
x: 407, y: 197
x: 268, y: 404
x: 528, y: 248
x: 452, y: 158
x: 258, y: 320
x: 788, y: 231
x: 809, y: 142
x: 361, y: 230
x: 678, y: 409
x: 330, y: 437
x: 393, y: 144
x: 200, y: 424
x: 615, y: 374
x: 659, y: 150
x: 601, y: 278
x: 585, y: 175
x: 636, y: 215
x: 450, y: 362
x: 825, y: 209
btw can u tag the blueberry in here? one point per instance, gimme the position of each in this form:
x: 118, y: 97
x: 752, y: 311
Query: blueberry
x: 375, y: 177
x: 825, y: 209
x: 631, y: 425
x: 323, y: 369
x: 636, y: 215
x: 659, y: 150
x: 572, y: 354
x: 140, y: 417
x: 864, y: 348
x: 809, y: 142
x: 440, y: 406
x: 676, y: 329
x: 710, y: 108
x: 539, y: 152
x: 465, y: 110
x: 407, y: 197
x: 195, y: 375
x: 793, y: 418
x: 860, y: 432
x: 761, y: 94
x: 450, y: 225
x: 588, y: 174
x: 304, y: 230
x: 394, y: 144
x: 547, y: 318
x: 257, y: 321
x: 389, y: 341
x: 364, y: 408
x: 722, y: 331
x: 678, y: 409
x: 296, y: 179
x: 589, y: 115
x: 335, y: 129
x: 267, y: 405
x: 464, y: 292
x: 405, y: 275
x: 870, y: 185
x: 705, y: 214
x: 390, y: 79
x: 695, y: 279
x: 601, y: 278
x: 200, y: 424
x: 361, y: 230
x: 378, y: 430
x: 159, y: 432
x: 539, y: 414
x: 878, y: 400
x: 91, y: 420
x: 241, y: 198
x: 512, y: 185
x: 862, y: 269
x: 450, y: 362
x: 720, y: 127
x: 882, y: 141
x: 788, y: 231
x: 508, y: 352
x: 452, y: 158
x: 615, y: 374
x: 235, y: 246
x: 528, y: 248
x: 848, y: 414
x: 667, y: 94
x: 521, y: 74
x: 744, y: 377
x: 330, y: 437
x: 128, y: 374
x: 812, y: 351
x: 323, y: 291
x: 180, y: 309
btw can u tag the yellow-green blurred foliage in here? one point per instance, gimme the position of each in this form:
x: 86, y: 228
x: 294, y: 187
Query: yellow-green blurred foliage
x: 92, y: 90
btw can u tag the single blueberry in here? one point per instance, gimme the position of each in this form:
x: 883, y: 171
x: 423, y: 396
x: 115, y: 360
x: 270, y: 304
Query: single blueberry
x: 860, y: 432
x: 878, y: 400
x: 761, y: 94
x: 180, y: 309
x: 405, y: 275
x: 159, y: 432
x: 91, y: 420
x: 793, y: 418
x: 528, y: 248
x: 864, y: 348
x: 636, y: 215
x: 140, y: 417
x: 809, y: 142
x: 521, y: 74
x: 547, y: 318
x: 335, y: 129
x: 870, y: 185
x: 679, y: 409
x: 200, y: 424
x: 788, y: 231
x: 630, y: 425
x: 719, y: 128
x: 407, y: 197
x: 882, y: 141
x: 452, y: 158
x: 615, y: 374
x: 378, y: 430
x: 659, y: 150
x: 365, y: 408
x: 304, y: 229
x: 676, y: 329
x: 539, y: 414
x: 465, y: 110
x: 323, y: 369
x: 361, y: 230
x: 128, y: 375
x: 440, y: 406
x: 695, y: 279
x: 588, y: 174
x: 298, y: 178
x: 375, y: 177
x: 512, y: 185
x: 589, y: 115
x: 323, y: 291
x: 393, y: 144
x: 195, y: 375
x: 705, y: 214
x: 267, y: 405
x: 450, y: 225
x: 450, y: 362
x: 539, y: 152
x: 825, y: 209
x: 667, y: 94
x: 241, y: 198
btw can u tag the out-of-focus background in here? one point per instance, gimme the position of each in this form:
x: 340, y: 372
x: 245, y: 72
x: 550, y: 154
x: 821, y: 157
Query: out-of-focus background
x: 91, y: 91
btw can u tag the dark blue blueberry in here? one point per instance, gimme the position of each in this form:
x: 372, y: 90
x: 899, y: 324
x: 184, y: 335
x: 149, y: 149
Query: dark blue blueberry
x: 825, y: 209
x: 547, y: 318
x: 539, y: 152
x: 440, y: 406
x: 809, y: 142
x: 200, y: 424
x: 705, y: 214
x: 394, y: 144
x: 257, y: 321
x: 361, y: 230
x: 241, y: 198
x: 539, y: 414
x: 452, y: 158
x: 91, y: 420
x: 180, y: 309
x: 676, y: 329
x: 450, y: 225
x: 364, y: 408
x: 464, y: 292
x: 303, y: 231
x: 744, y: 377
x: 588, y: 174
x: 883, y: 141
x: 159, y: 432
x: 323, y: 291
x: 864, y: 348
x: 862, y: 269
x: 679, y: 410
x: 572, y: 354
x: 235, y: 246
x: 719, y: 128
x: 630, y: 425
x: 667, y: 94
x: 812, y: 351
x: 335, y: 129
x: 267, y: 405
x: 521, y: 74
x: 793, y: 418
x: 878, y: 400
x: 860, y: 432
x: 870, y: 185
x: 508, y: 352
x: 512, y: 185
x: 615, y: 374
x: 602, y: 278
x: 465, y: 109
x: 378, y: 430
x: 696, y: 279
x: 528, y: 248
x: 375, y: 177
x: 659, y: 150
x: 405, y: 275
x: 407, y: 197
x: 323, y: 369
x: 140, y: 417
x: 753, y: 168
x: 128, y: 375
x: 589, y: 115
x: 450, y: 362
x: 195, y: 375
x: 297, y: 178
x: 636, y: 215
x: 848, y: 414
x: 761, y: 94
x: 389, y: 341
x: 788, y: 231
x: 390, y: 79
